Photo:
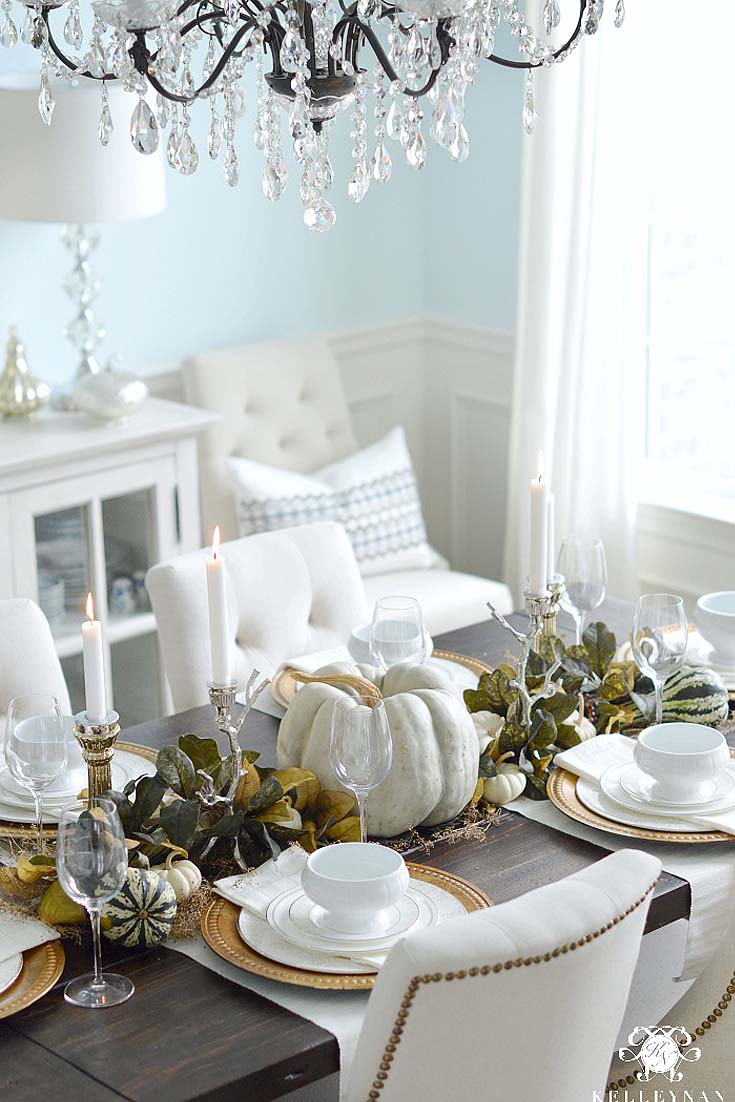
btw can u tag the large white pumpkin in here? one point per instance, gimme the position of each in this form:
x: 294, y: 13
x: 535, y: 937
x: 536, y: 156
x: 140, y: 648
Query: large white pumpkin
x: 436, y: 749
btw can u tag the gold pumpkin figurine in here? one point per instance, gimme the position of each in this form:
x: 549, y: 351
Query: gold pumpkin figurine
x: 21, y: 393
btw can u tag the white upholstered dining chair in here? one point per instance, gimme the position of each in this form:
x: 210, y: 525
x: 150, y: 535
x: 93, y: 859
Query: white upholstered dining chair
x: 282, y: 404
x: 28, y: 659
x: 289, y: 592
x: 522, y: 1001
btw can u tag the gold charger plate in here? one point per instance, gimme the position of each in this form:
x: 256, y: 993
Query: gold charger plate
x: 475, y: 664
x: 22, y: 832
x: 561, y: 788
x: 219, y: 928
x: 41, y: 969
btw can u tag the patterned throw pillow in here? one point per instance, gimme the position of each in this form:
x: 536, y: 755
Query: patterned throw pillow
x: 373, y: 493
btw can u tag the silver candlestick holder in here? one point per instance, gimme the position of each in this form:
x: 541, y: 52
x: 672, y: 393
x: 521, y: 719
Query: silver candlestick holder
x: 222, y: 699
x: 97, y: 740
x: 542, y: 612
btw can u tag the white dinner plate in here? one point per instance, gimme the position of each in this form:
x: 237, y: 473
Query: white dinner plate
x: 641, y: 787
x: 613, y: 786
x: 589, y: 793
x: 270, y: 943
x: 292, y: 915
x: 10, y: 969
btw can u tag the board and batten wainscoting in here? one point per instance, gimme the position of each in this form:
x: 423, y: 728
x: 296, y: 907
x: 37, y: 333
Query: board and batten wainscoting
x: 450, y: 385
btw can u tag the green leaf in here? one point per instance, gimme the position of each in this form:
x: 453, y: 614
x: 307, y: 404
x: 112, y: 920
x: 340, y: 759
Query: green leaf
x: 567, y: 736
x: 493, y: 694
x: 488, y: 767
x: 251, y: 756
x: 255, y: 843
x: 536, y: 666
x: 179, y: 819
x: 600, y: 644
x: 536, y: 787
x: 551, y: 647
x: 543, y: 730
x: 269, y: 792
x: 226, y: 827
x: 203, y: 752
x: 512, y: 737
x: 177, y: 770
x: 609, y: 717
x: 149, y: 792
x: 560, y: 706
x: 124, y: 809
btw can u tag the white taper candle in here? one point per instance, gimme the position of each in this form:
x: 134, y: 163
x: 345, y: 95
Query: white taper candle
x: 539, y: 532
x: 94, y: 666
x: 219, y: 638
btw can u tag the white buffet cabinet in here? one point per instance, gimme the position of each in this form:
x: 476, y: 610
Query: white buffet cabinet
x: 82, y: 505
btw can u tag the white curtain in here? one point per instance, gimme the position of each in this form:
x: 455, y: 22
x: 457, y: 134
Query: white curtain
x: 579, y: 388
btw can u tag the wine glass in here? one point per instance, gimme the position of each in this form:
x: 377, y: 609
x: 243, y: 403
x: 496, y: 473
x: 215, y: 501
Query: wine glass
x: 582, y: 562
x: 92, y: 864
x: 360, y: 748
x: 398, y: 633
x: 35, y: 746
x: 660, y: 636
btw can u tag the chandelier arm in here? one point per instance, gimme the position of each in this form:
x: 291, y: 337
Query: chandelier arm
x: 382, y: 58
x: 67, y: 61
x: 200, y: 20
x: 230, y: 49
x: 576, y: 33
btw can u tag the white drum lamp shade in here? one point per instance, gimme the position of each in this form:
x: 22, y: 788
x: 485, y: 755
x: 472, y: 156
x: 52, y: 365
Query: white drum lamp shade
x: 62, y: 173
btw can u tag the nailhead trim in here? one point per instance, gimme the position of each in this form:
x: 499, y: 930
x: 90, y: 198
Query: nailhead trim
x: 701, y: 1030
x: 485, y: 970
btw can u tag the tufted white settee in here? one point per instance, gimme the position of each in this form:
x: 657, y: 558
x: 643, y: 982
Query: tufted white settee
x: 282, y: 404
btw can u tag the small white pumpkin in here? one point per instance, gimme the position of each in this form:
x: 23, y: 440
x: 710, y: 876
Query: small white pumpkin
x: 436, y: 750
x: 183, y: 876
x: 584, y: 727
x: 488, y: 726
x: 508, y: 783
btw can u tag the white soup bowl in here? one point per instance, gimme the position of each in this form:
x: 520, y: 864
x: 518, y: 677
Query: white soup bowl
x: 355, y: 885
x: 684, y: 759
x: 716, y: 622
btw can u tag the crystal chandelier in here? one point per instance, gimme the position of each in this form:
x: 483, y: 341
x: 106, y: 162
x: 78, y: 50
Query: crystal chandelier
x: 310, y: 59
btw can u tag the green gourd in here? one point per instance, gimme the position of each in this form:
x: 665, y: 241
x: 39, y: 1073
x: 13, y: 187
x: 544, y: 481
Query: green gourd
x: 695, y: 696
x: 142, y: 913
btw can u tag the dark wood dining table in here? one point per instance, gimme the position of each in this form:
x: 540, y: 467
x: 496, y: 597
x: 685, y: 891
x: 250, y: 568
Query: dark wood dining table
x: 188, y: 1033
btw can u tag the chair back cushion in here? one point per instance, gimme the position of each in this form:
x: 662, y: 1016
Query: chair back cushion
x: 522, y: 1001
x: 28, y: 659
x: 288, y: 593
x: 282, y: 404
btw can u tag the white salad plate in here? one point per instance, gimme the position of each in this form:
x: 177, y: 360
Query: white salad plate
x: 613, y: 785
x: 10, y: 969
x: 638, y: 785
x: 590, y: 794
x: 292, y: 914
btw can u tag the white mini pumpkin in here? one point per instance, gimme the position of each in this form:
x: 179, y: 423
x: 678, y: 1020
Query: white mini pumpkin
x: 435, y: 746
x: 183, y: 876
x: 508, y: 783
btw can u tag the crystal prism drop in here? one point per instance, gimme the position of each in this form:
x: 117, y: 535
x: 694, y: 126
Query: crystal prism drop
x: 144, y: 132
x: 620, y: 13
x: 105, y: 128
x: 232, y: 12
x: 323, y: 174
x: 162, y: 111
x: 39, y: 33
x: 415, y: 47
x: 274, y: 180
x: 27, y: 29
x: 172, y: 147
x: 73, y: 29
x: 530, y: 118
x: 366, y: 8
x: 8, y: 33
x: 552, y: 15
x: 188, y: 155
x: 319, y: 215
x: 393, y: 122
x: 592, y: 22
x: 298, y: 119
x: 46, y: 101
x: 382, y: 166
x: 459, y: 148
x: 214, y: 137
x: 444, y: 121
x: 359, y: 183
x: 416, y: 151
x: 291, y: 50
x: 231, y: 166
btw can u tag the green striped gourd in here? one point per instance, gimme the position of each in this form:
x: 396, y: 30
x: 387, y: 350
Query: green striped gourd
x: 695, y: 696
x: 142, y: 913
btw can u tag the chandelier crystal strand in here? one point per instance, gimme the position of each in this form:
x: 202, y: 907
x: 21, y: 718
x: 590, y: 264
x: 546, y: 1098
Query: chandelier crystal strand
x: 8, y: 29
x: 317, y: 51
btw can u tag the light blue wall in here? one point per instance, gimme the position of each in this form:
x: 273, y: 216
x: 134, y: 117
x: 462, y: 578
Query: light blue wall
x: 223, y: 266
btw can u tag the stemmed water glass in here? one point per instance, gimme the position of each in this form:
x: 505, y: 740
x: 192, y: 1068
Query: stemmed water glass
x: 398, y: 633
x: 582, y: 562
x: 92, y: 864
x: 360, y: 748
x: 35, y: 746
x: 659, y: 640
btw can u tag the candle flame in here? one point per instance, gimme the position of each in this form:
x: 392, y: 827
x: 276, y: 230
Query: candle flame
x: 89, y: 607
x: 540, y: 468
x: 215, y: 542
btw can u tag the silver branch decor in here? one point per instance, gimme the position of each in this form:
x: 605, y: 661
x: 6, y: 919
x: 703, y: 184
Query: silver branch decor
x: 222, y: 700
x: 538, y: 608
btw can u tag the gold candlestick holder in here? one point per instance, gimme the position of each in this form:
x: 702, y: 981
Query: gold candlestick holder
x: 97, y: 741
x: 550, y: 614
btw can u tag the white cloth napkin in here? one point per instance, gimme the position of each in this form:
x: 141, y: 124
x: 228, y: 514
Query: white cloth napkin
x: 18, y: 934
x: 283, y: 687
x: 590, y: 759
x: 254, y: 891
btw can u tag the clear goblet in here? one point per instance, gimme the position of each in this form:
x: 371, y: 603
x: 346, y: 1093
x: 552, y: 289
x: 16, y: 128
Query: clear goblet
x: 360, y: 748
x: 582, y: 562
x: 659, y: 640
x: 398, y: 633
x: 35, y: 746
x: 92, y: 863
